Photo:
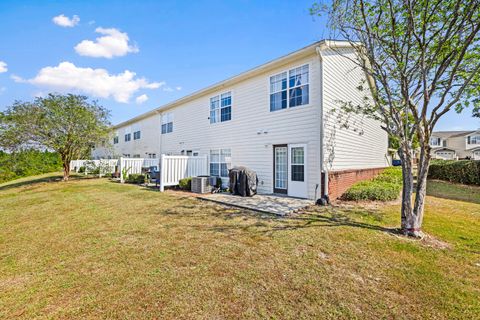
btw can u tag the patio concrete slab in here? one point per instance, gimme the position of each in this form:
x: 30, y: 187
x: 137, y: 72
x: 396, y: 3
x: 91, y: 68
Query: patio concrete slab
x: 273, y: 204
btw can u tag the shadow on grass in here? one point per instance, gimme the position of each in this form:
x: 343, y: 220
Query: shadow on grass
x: 187, y: 206
x: 326, y: 219
x: 34, y: 181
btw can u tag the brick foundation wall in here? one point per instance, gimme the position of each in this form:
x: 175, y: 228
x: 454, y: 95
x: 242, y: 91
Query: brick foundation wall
x: 340, y: 181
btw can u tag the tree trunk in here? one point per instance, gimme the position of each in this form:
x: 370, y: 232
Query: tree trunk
x: 420, y: 192
x: 66, y: 170
x: 406, y: 157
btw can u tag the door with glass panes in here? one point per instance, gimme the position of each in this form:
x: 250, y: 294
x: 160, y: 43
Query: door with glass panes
x: 289, y: 170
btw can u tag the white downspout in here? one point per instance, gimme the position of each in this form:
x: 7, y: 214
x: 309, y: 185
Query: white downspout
x: 322, y: 127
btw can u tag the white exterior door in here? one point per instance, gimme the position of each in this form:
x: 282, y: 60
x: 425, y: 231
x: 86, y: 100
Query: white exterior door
x: 297, y: 166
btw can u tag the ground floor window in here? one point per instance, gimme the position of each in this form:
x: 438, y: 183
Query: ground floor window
x: 220, y: 161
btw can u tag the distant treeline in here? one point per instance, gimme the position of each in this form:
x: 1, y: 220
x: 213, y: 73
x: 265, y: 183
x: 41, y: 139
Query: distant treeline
x: 27, y: 163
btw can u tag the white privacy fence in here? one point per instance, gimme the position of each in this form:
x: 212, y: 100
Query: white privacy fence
x: 175, y: 168
x: 130, y: 166
x: 172, y: 168
x: 105, y: 166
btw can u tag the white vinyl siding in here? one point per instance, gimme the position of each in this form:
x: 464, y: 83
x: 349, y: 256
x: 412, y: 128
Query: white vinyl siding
x: 255, y: 129
x: 363, y: 144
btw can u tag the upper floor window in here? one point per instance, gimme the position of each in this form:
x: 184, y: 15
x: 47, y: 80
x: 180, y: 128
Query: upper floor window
x: 115, y: 140
x: 128, y: 137
x: 221, y: 108
x: 290, y: 89
x: 434, y: 141
x: 167, y: 123
x: 136, y: 135
x: 473, y: 140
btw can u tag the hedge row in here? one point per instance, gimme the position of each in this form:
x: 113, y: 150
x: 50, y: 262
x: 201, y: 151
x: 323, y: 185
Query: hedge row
x: 459, y: 171
x: 385, y: 187
x: 27, y: 163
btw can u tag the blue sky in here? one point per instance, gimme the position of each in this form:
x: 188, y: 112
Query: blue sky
x: 172, y: 47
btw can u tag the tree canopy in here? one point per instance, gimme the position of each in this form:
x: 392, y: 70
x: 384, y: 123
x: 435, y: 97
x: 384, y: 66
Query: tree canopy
x: 422, y: 60
x: 68, y: 124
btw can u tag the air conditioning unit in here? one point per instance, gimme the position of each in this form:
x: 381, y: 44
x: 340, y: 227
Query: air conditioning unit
x: 201, y: 184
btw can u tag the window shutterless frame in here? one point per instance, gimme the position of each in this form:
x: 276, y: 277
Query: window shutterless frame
x: 218, y: 111
x: 287, y: 71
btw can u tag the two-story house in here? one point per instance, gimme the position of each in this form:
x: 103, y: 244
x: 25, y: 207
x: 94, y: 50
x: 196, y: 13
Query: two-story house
x: 280, y: 119
x: 449, y: 145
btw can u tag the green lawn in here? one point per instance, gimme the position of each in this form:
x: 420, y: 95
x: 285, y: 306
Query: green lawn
x: 91, y: 248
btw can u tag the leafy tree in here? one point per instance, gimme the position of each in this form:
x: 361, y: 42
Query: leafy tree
x: 68, y: 124
x: 422, y: 59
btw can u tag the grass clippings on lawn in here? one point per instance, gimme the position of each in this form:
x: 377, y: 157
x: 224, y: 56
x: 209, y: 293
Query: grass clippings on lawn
x: 91, y: 248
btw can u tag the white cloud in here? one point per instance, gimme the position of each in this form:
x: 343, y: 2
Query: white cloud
x: 2, y: 90
x: 3, y: 67
x: 178, y: 88
x: 141, y: 99
x: 113, y: 43
x: 66, y: 22
x: 66, y: 77
x: 167, y: 89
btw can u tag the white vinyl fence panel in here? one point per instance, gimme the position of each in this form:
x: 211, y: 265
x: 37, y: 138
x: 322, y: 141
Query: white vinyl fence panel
x: 175, y: 168
x: 147, y: 163
x: 130, y: 166
x: 107, y: 165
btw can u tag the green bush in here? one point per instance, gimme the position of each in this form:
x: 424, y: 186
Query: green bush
x: 26, y: 163
x: 81, y: 169
x: 135, y: 178
x: 459, y: 171
x: 185, y: 184
x: 385, y: 187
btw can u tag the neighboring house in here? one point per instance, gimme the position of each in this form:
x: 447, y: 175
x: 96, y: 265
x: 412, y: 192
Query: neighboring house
x: 449, y: 145
x: 280, y: 119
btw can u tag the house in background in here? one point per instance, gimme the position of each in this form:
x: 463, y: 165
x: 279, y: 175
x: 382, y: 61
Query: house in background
x: 280, y: 119
x: 450, y: 145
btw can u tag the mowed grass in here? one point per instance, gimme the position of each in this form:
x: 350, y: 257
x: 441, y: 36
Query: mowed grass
x: 91, y: 248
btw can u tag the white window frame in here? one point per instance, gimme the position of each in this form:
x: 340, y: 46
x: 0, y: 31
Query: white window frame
x: 438, y: 141
x: 167, y: 119
x: 222, y: 152
x: 475, y: 139
x: 287, y: 72
x: 217, y: 111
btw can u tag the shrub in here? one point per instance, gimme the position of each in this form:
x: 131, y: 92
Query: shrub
x: 26, y: 163
x: 81, y: 169
x: 385, y: 187
x: 135, y: 178
x: 461, y: 171
x: 185, y: 184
